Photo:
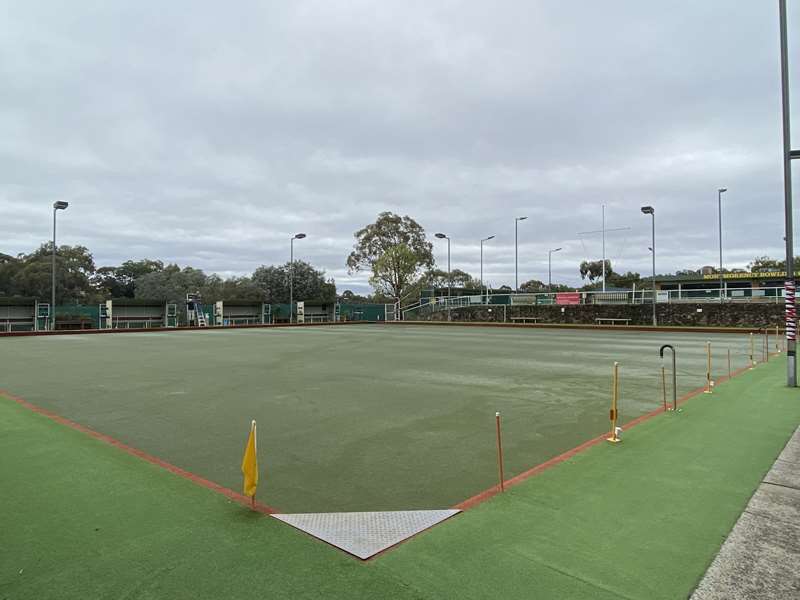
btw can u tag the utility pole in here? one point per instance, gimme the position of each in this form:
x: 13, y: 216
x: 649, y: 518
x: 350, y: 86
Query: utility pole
x: 57, y: 206
x: 550, y: 268
x: 516, y: 251
x: 788, y: 155
x: 720, y: 191
x: 604, y: 247
x: 603, y: 231
x: 442, y: 236
x: 491, y: 237
x: 649, y: 210
x: 297, y: 236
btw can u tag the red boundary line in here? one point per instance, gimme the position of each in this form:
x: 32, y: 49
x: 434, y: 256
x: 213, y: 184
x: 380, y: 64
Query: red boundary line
x: 630, y: 328
x: 268, y: 510
x: 540, y: 468
x: 377, y: 555
x: 175, y: 329
x: 196, y: 479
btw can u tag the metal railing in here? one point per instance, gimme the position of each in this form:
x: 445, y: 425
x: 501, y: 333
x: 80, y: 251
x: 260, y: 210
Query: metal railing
x: 773, y: 295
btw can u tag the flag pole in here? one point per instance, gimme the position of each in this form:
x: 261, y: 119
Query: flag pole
x: 255, y: 446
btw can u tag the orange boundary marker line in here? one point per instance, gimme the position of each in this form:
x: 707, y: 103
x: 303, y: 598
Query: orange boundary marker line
x: 269, y: 510
x: 578, y: 326
x: 377, y: 555
x: 235, y: 496
x: 540, y: 468
x: 175, y: 329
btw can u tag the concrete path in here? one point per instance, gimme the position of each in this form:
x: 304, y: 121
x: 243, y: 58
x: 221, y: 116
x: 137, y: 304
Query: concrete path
x: 761, y: 557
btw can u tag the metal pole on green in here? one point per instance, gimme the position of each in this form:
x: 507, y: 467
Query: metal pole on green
x: 788, y: 155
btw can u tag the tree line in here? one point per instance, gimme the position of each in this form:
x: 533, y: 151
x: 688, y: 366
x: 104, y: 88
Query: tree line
x: 393, y: 251
x: 80, y: 281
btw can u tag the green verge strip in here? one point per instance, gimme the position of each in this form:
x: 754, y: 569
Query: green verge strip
x: 82, y: 519
x: 641, y: 519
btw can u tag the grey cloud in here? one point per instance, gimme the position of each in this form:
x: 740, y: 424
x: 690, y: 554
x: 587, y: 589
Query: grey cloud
x: 208, y: 134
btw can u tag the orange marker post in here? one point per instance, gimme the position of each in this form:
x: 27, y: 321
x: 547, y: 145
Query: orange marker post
x: 500, y: 452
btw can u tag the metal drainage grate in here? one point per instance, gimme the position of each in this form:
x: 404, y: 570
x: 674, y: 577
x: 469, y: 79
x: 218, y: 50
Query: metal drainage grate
x: 364, y: 534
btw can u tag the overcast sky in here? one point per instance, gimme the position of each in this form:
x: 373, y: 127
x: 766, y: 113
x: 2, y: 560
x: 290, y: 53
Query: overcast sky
x: 208, y: 133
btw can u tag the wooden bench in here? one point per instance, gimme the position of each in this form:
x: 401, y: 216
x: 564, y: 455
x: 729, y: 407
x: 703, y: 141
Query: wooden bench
x: 136, y: 322
x: 526, y: 319
x: 73, y: 324
x: 316, y: 318
x: 229, y: 321
x: 10, y: 324
x: 610, y: 321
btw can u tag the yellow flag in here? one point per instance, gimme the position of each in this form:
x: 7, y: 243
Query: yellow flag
x: 250, y: 463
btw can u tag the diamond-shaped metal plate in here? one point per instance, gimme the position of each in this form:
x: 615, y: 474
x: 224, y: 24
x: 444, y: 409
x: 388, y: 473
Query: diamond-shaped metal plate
x: 364, y: 534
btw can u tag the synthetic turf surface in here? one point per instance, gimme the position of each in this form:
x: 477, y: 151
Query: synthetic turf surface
x: 363, y: 417
x: 643, y: 519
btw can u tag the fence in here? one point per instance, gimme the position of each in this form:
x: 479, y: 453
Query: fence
x: 79, y: 316
x: 424, y: 306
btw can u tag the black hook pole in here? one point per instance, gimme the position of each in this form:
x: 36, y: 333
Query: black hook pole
x: 674, y: 375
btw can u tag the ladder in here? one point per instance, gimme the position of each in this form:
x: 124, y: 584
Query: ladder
x: 194, y: 304
x: 200, y: 315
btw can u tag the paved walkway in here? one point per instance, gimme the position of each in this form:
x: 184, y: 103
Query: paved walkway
x: 761, y: 557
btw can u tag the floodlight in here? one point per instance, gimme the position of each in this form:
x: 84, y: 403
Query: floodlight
x: 648, y: 210
x: 60, y: 205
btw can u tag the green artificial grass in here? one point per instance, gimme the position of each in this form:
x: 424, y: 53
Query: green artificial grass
x: 81, y: 519
x: 363, y: 417
x: 642, y: 519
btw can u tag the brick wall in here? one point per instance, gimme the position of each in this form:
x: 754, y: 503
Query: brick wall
x: 697, y: 315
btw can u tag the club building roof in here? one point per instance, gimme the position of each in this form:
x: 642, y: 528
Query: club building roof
x: 708, y: 278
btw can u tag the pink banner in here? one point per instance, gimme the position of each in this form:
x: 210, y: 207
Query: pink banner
x: 568, y: 298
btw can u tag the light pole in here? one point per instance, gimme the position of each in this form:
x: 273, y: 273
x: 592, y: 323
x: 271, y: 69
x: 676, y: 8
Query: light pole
x: 649, y: 210
x: 297, y: 236
x: 59, y: 205
x: 788, y: 156
x: 720, y: 191
x: 491, y: 237
x: 550, y: 268
x: 516, y: 251
x: 442, y: 236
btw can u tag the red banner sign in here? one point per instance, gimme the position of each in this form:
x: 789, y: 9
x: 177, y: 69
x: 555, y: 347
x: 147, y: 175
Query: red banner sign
x: 568, y: 298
